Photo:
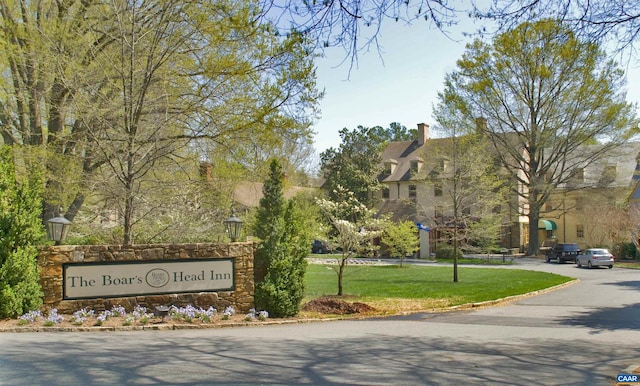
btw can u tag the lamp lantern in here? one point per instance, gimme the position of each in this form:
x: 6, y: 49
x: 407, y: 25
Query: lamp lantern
x: 57, y: 229
x: 233, y: 227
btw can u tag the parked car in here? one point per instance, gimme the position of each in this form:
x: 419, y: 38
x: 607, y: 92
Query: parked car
x: 595, y: 257
x: 319, y: 246
x: 562, y: 252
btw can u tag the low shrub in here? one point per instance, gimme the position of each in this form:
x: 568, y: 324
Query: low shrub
x: 446, y: 252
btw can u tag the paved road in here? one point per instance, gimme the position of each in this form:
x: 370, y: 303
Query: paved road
x: 583, y: 334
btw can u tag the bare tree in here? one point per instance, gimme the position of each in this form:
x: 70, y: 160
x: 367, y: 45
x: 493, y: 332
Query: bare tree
x: 355, y: 25
x: 614, y: 21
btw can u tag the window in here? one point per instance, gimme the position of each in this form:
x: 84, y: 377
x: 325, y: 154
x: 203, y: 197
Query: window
x: 548, y: 206
x: 580, y: 231
x: 388, y: 168
x: 578, y: 175
x: 385, y: 192
x: 412, y: 191
x: 608, y: 175
x: 579, y: 204
x: 610, y: 172
x: 437, y: 189
x: 414, y: 168
x: 439, y: 211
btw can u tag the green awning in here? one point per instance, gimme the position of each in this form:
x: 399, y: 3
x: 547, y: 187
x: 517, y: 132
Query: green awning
x: 547, y: 224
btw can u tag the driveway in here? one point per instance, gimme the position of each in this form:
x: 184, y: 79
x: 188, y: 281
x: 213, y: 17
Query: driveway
x: 583, y: 334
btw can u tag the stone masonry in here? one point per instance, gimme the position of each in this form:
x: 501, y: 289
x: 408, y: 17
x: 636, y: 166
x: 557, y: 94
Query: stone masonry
x: 51, y: 259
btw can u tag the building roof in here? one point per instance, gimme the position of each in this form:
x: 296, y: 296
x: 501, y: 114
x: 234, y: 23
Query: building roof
x: 622, y: 161
x: 402, y: 154
x: 248, y: 194
x: 596, y: 174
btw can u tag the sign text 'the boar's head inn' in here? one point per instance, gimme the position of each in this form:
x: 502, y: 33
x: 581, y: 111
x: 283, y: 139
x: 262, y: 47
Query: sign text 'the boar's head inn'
x: 103, y: 280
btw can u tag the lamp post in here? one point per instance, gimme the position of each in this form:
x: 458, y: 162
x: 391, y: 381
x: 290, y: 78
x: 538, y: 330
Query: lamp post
x: 57, y: 229
x: 233, y: 227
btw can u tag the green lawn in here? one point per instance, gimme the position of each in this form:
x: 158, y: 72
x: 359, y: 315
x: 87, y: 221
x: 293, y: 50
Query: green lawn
x: 393, y: 289
x: 631, y: 264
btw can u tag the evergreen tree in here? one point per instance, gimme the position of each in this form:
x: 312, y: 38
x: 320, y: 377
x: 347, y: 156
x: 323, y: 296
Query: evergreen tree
x: 280, y: 257
x: 20, y: 229
x: 355, y: 165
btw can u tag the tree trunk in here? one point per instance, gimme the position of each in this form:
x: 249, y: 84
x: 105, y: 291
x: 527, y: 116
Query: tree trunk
x: 343, y: 263
x: 128, y: 213
x: 455, y: 250
x: 534, y: 216
x: 74, y: 207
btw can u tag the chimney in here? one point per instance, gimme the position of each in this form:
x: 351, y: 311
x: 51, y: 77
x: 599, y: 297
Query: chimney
x: 423, y: 133
x: 205, y: 171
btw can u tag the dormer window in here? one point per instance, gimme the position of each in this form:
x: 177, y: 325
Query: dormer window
x: 578, y: 175
x: 414, y: 167
x: 389, y: 167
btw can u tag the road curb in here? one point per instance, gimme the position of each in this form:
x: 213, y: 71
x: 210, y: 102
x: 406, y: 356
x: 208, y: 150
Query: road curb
x: 171, y: 326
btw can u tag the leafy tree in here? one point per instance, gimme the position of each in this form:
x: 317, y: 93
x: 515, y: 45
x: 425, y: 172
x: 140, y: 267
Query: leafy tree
x: 464, y: 167
x: 46, y: 49
x: 284, y: 235
x: 353, y: 237
x: 115, y: 90
x: 161, y: 91
x: 401, y: 239
x: 544, y: 94
x: 396, y: 132
x: 20, y: 231
x: 485, y: 232
x: 355, y: 165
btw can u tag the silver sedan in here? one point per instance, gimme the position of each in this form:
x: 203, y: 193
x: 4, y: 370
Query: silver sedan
x: 595, y: 257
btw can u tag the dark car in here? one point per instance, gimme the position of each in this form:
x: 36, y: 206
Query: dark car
x: 319, y: 246
x: 562, y: 252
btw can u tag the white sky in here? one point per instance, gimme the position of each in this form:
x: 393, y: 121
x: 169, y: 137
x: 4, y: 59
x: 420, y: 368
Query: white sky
x: 398, y: 85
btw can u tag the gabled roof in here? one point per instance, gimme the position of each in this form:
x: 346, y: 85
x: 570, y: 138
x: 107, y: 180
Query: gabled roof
x: 624, y: 158
x: 402, y: 154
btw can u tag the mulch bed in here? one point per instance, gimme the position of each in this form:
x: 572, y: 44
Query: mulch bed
x: 335, y: 306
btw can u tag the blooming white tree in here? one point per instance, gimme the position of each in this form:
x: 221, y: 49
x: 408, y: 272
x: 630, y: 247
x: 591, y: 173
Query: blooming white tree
x: 354, y: 237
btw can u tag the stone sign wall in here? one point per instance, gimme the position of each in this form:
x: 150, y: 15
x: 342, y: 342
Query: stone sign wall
x: 53, y: 261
